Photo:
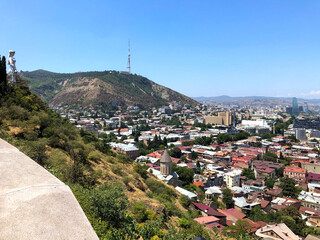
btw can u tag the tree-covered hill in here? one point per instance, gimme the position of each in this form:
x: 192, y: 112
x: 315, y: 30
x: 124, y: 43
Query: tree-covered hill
x: 107, y: 87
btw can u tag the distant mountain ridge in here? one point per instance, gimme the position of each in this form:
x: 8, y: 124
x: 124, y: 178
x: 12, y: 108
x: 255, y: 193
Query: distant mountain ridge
x: 225, y: 97
x: 106, y: 87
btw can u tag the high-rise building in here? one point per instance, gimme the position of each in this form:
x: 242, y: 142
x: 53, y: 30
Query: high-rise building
x: 295, y: 107
x: 305, y: 107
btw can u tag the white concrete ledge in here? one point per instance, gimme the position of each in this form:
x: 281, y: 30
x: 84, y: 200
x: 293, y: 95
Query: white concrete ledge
x: 34, y: 204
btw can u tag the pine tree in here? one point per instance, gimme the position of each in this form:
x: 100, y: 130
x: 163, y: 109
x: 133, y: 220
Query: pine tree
x: 3, y: 76
x: 165, y: 141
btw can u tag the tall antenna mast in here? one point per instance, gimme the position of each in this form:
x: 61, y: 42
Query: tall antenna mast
x: 129, y: 67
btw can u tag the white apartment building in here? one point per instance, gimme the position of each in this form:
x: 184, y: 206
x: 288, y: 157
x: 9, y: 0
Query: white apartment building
x: 232, y: 179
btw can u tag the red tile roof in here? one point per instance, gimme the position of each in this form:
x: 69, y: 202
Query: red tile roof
x: 264, y: 203
x: 313, y: 176
x: 199, y: 184
x: 207, y: 219
x: 217, y: 225
x: 210, y: 211
x: 234, y: 213
x: 278, y: 207
x: 295, y: 169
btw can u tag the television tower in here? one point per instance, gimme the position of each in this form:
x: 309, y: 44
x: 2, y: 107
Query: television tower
x: 128, y: 66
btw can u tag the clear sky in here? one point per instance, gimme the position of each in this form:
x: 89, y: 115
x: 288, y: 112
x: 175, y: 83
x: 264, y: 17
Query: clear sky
x: 199, y: 48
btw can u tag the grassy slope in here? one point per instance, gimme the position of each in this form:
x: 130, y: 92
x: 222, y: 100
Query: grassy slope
x: 85, y: 165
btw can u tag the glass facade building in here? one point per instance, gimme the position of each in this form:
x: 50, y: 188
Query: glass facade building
x: 295, y: 107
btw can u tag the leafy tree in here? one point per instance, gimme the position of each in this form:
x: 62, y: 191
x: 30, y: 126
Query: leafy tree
x: 194, y: 155
x: 270, y: 156
x: 139, y: 211
x: 141, y: 169
x: 175, y: 152
x: 286, y: 160
x: 279, y: 172
x: 256, y: 214
x: 249, y: 173
x: 266, y: 136
x: 241, y: 135
x: 185, y: 174
x: 173, y: 121
x: 227, y: 198
x: 198, y: 169
x: 110, y: 203
x: 292, y: 218
x: 223, y: 137
x: 256, y: 144
x: 241, y: 228
x: 288, y: 187
x: 269, y: 183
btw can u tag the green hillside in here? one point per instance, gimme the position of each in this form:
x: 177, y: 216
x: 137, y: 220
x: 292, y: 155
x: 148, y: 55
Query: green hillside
x: 88, y: 88
x: 120, y: 199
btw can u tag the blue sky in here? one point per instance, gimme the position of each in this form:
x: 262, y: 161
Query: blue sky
x: 199, y: 48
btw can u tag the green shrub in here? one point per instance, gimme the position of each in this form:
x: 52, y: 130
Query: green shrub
x: 184, y: 223
x: 184, y: 201
x: 124, y: 159
x: 117, y: 169
x: 141, y: 169
x: 139, y: 211
x: 126, y: 180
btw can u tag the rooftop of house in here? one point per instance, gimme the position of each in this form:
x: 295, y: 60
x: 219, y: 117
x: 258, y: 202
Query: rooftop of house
x: 263, y: 169
x: 280, y: 229
x: 235, y: 213
x: 295, y: 169
x: 206, y: 220
x: 313, y: 176
x: 210, y: 211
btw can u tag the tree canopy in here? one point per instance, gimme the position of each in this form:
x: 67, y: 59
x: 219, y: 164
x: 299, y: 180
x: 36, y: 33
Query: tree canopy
x: 227, y: 198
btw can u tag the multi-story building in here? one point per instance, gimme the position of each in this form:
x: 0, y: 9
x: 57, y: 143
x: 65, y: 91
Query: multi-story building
x: 223, y: 118
x: 232, y: 178
x: 127, y: 149
x: 295, y: 107
x: 311, y: 167
x: 294, y: 172
x: 264, y: 172
x: 301, y: 134
x: 310, y: 200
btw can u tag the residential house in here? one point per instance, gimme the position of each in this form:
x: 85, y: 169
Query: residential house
x: 294, y: 172
x: 208, y: 211
x: 232, y: 178
x: 313, y: 178
x: 276, y: 232
x: 264, y: 172
x: 310, y: 200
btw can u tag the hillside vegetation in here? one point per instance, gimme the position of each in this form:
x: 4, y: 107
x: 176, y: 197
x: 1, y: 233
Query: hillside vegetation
x: 105, y: 88
x: 121, y: 199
